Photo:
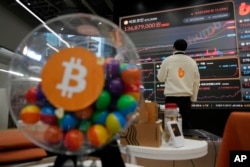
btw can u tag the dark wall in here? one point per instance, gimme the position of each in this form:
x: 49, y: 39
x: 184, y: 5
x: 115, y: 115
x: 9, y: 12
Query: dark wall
x: 207, y: 119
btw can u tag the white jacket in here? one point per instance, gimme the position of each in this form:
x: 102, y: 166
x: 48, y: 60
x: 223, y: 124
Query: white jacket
x: 181, y: 76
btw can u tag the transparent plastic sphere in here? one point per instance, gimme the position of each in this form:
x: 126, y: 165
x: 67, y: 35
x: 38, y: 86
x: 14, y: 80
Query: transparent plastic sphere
x: 75, y: 84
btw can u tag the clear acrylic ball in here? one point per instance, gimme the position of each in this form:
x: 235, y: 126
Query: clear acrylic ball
x: 75, y: 84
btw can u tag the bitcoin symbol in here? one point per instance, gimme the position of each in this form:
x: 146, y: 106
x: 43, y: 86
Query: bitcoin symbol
x: 66, y: 88
x: 78, y: 82
x: 181, y: 72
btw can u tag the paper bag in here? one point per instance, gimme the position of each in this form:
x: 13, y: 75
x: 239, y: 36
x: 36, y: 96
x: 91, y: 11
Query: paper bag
x: 143, y: 115
x: 152, y: 111
x: 143, y: 134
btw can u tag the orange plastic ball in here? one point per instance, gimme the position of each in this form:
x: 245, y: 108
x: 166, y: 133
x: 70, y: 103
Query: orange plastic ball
x: 131, y: 76
x: 97, y: 135
x: 30, y: 114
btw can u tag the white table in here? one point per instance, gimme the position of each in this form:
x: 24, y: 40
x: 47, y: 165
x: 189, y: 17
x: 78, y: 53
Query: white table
x: 193, y: 149
x: 86, y: 163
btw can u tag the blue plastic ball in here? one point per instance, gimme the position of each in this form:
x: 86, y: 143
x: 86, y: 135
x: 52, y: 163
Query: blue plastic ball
x: 69, y: 121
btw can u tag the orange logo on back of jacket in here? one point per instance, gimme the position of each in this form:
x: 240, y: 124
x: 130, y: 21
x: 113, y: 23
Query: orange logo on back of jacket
x: 181, y: 72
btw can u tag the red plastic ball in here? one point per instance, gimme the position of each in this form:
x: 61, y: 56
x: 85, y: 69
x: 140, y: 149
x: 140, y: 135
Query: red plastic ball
x: 31, y: 95
x: 53, y: 135
x: 135, y: 87
x: 74, y: 139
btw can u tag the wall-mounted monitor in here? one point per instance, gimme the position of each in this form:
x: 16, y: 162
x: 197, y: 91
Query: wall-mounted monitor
x: 212, y: 32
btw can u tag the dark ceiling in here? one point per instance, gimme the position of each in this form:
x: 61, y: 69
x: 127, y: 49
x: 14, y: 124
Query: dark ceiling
x: 47, y: 9
x: 109, y: 9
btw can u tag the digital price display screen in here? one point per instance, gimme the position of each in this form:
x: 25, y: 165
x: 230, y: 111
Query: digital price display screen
x: 218, y: 39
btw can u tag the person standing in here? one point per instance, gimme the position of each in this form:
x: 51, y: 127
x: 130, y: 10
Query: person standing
x: 181, y: 76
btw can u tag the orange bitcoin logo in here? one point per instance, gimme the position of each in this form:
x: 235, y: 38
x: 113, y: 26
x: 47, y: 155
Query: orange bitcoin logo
x: 72, y: 79
x: 244, y: 9
x: 181, y: 72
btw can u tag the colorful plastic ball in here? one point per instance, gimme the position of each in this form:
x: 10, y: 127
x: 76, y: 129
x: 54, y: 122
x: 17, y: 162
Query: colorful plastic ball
x: 84, y: 125
x: 99, y: 117
x: 47, y: 115
x: 85, y: 113
x: 69, y: 121
x: 112, y: 69
x: 97, y: 135
x: 133, y: 90
x: 115, y: 122
x: 123, y: 66
x: 74, y: 140
x: 135, y: 87
x: 126, y: 104
x: 131, y: 75
x: 31, y: 94
x: 135, y: 95
x: 40, y: 97
x: 115, y: 87
x: 30, y: 114
x: 64, y: 79
x: 103, y: 100
x: 53, y: 134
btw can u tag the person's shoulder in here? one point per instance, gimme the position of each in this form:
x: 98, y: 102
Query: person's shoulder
x: 170, y: 57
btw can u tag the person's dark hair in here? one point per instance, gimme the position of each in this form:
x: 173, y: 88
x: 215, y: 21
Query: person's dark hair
x: 180, y: 44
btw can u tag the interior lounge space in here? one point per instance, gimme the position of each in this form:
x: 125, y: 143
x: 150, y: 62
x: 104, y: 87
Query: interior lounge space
x: 103, y: 83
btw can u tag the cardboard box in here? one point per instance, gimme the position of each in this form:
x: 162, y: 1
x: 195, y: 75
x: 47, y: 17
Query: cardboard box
x: 143, y: 134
